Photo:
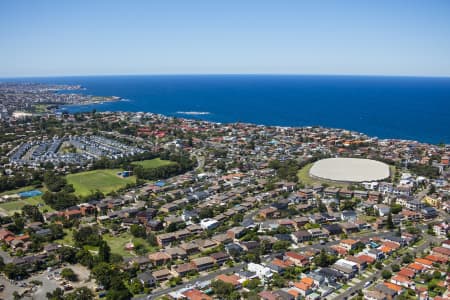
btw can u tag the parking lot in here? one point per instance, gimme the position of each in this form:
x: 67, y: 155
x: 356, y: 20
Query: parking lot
x: 50, y: 281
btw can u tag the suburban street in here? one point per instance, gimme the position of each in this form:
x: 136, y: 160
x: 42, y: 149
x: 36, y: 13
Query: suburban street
x: 317, y: 246
x: 377, y: 275
x: 192, y: 282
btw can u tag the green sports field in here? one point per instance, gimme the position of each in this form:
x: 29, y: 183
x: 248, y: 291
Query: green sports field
x: 105, y: 181
x: 153, y: 163
x: 11, y: 207
x: 15, y: 206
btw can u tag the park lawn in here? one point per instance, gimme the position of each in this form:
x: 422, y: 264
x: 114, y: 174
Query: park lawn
x: 105, y: 181
x: 92, y: 249
x: 117, y: 243
x: 153, y: 163
x: 67, y: 239
x: 392, y: 170
x: 40, y: 108
x: 303, y: 177
x: 15, y: 206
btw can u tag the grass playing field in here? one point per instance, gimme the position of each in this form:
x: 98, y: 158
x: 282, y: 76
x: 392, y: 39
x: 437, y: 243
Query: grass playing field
x: 153, y: 163
x: 15, y: 206
x: 103, y: 180
x: 11, y: 207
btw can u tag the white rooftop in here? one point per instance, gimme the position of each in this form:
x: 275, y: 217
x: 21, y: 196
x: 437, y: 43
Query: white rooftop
x: 350, y: 170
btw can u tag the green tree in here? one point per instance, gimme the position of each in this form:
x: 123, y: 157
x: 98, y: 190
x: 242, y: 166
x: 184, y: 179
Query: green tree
x: 277, y: 281
x: 85, y: 258
x: 379, y: 265
x: 112, y: 279
x: 174, y: 281
x: 69, y: 274
x: 82, y: 293
x: 87, y: 235
x: 407, y: 258
x: 390, y: 223
x: 138, y: 231
x: 31, y: 212
x: 103, y: 274
x: 206, y: 212
x: 104, y: 252
x: 251, y: 284
x: 121, y: 294
x: 396, y: 208
x: 386, y: 274
x: 57, y: 294
x: 136, y: 287
x: 151, y: 239
x: 15, y: 272
x: 57, y: 231
x: 222, y: 289
x: 437, y: 275
x: 281, y: 245
x: 172, y: 227
x: 323, y: 259
x: 395, y: 268
x: 68, y: 254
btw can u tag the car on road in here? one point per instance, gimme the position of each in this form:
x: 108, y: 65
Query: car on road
x: 367, y: 284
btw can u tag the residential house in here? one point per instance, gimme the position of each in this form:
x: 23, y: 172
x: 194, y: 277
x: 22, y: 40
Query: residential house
x: 194, y: 294
x: 203, y: 263
x: 236, y: 232
x: 159, y: 258
x: 220, y: 258
x: 183, y: 269
x: 349, y: 216
x: 161, y: 275
x: 146, y: 278
x: 333, y: 229
x: 298, y: 259
x: 233, y: 279
x: 165, y: 239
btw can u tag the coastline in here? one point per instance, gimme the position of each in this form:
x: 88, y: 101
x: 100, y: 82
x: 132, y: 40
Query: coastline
x: 391, y: 108
x: 192, y: 117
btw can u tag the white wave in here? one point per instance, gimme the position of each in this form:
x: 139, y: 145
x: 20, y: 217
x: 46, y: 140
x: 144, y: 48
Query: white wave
x: 193, y: 113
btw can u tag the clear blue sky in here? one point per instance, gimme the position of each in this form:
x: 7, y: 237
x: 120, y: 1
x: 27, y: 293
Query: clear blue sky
x: 84, y: 37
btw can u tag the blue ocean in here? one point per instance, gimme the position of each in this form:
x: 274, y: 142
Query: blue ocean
x: 387, y: 107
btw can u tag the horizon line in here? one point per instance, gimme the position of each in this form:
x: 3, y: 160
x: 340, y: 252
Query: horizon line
x: 225, y: 74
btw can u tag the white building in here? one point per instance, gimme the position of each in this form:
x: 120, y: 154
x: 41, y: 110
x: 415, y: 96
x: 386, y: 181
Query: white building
x: 261, y: 271
x: 208, y: 224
